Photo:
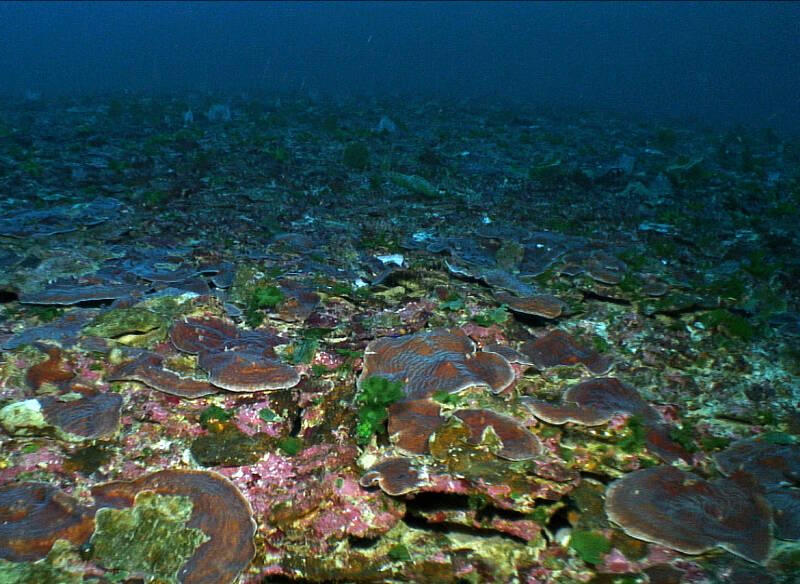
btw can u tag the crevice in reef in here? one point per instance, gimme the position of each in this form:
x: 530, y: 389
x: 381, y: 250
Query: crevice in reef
x: 362, y: 543
x: 94, y: 303
x: 678, y: 312
x: 420, y: 523
x: 561, y: 518
x: 589, y: 295
x: 432, y: 502
x: 288, y: 580
x: 451, y: 502
x: 600, y: 478
x: 297, y: 423
x: 7, y: 296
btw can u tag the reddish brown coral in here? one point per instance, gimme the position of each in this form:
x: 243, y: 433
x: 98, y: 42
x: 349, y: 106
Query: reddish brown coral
x: 74, y: 292
x: 558, y: 348
x: 412, y: 422
x: 599, y: 265
x: 52, y: 370
x: 298, y: 303
x: 785, y: 505
x: 437, y: 360
x: 34, y: 515
x: 395, y: 476
x: 218, y: 509
x: 91, y: 416
x: 772, y: 465
x: 150, y: 271
x: 518, y: 443
x: 198, y: 335
x: 149, y: 369
x: 236, y: 361
x: 64, y: 330
x: 776, y: 469
x: 541, y: 305
x: 654, y: 288
x: 590, y: 403
x: 603, y: 274
x: 596, y: 401
x: 679, y: 510
x: 210, y: 334
x: 508, y: 353
x: 242, y: 371
x: 605, y: 268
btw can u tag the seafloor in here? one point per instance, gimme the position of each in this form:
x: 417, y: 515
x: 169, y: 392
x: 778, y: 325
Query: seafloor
x: 288, y: 340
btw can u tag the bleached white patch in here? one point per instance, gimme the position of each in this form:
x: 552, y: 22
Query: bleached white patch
x: 391, y: 259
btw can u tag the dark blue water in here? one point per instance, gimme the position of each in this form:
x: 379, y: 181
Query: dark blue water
x: 717, y: 62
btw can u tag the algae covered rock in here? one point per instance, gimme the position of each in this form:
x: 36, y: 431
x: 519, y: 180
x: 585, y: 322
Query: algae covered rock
x: 23, y: 418
x: 150, y: 539
x: 62, y: 566
x: 135, y: 326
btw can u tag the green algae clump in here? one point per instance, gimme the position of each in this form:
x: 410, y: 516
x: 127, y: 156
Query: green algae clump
x: 399, y: 553
x: 261, y: 297
x: 497, y: 315
x: 728, y: 323
x: 377, y: 394
x: 356, y: 156
x: 415, y: 184
x: 150, y: 539
x: 303, y: 351
x: 266, y: 297
x: 590, y: 546
x: 290, y: 445
x: 635, y: 440
x: 213, y: 417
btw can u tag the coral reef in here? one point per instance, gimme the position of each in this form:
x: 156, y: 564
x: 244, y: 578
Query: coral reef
x: 477, y: 344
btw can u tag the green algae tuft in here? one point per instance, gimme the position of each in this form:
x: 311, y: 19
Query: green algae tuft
x: 377, y: 394
x: 590, y: 546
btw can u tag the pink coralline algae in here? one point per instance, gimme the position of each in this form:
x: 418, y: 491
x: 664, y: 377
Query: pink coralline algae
x: 524, y: 529
x: 328, y: 360
x: 341, y: 508
x: 248, y: 419
x: 49, y: 459
x: 316, y: 492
